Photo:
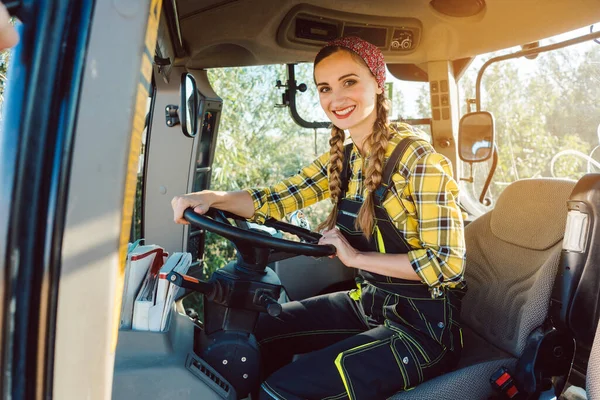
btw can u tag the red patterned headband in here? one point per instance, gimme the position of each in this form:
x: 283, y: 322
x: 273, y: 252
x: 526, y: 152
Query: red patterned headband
x: 370, y: 53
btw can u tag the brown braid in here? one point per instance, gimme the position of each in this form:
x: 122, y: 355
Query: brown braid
x: 336, y: 164
x: 376, y: 144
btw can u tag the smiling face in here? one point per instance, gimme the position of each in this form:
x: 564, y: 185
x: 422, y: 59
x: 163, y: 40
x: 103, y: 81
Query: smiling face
x: 347, y: 92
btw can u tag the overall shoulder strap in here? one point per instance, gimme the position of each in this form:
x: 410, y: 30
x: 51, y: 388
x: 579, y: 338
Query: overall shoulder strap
x: 345, y: 171
x: 391, y: 164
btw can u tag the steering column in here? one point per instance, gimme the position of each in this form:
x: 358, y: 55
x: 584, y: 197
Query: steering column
x: 236, y: 294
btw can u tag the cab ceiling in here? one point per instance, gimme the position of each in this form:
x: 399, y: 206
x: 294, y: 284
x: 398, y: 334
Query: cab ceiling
x: 221, y: 33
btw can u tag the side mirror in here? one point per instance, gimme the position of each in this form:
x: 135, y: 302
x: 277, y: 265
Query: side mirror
x: 189, y: 105
x: 476, y: 136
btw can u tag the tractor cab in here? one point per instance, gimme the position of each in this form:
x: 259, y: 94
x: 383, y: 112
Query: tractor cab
x: 110, y: 109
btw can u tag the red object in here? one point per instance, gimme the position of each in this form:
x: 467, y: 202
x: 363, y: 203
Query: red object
x: 370, y: 53
x: 190, y: 278
x: 512, y: 391
x: 500, y: 381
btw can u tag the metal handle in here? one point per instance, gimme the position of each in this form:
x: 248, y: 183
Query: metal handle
x: 191, y: 283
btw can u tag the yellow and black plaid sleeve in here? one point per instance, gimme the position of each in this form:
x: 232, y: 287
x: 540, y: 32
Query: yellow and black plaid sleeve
x: 309, y: 186
x: 434, y: 193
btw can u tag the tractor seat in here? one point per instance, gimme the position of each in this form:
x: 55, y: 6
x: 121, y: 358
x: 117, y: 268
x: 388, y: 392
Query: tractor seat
x: 513, y: 253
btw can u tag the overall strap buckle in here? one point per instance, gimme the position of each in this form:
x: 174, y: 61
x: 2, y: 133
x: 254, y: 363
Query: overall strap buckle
x: 380, y: 191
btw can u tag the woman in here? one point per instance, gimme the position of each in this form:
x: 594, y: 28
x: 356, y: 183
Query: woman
x: 395, y: 218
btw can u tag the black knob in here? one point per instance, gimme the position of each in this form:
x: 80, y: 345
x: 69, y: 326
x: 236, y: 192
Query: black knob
x: 302, y: 87
x: 273, y: 307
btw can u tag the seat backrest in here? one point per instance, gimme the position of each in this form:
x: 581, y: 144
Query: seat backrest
x: 513, y: 254
x: 592, y: 379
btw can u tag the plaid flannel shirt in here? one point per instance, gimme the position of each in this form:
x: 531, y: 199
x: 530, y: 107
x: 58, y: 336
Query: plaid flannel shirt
x: 422, y: 203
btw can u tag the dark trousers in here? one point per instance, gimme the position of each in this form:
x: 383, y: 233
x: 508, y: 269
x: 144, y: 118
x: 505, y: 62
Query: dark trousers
x: 348, y: 357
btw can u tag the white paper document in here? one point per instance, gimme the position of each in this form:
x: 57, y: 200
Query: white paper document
x: 139, y: 261
x: 156, y: 296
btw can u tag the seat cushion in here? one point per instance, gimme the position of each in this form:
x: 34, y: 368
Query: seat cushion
x: 472, y: 382
x: 477, y: 350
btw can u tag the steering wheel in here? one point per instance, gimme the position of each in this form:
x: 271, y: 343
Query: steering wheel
x: 250, y: 242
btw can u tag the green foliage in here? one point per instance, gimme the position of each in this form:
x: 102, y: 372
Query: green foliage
x: 424, y: 104
x: 136, y: 223
x: 4, y: 62
x: 398, y: 105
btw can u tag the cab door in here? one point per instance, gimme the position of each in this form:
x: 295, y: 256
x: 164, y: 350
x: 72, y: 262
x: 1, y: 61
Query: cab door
x: 72, y: 124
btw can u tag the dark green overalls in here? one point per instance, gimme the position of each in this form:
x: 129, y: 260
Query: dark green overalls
x: 386, y: 336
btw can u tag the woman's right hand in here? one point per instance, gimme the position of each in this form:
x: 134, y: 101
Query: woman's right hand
x: 200, y: 202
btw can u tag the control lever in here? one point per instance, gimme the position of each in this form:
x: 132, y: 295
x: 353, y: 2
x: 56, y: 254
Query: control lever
x: 265, y: 299
x: 209, y: 289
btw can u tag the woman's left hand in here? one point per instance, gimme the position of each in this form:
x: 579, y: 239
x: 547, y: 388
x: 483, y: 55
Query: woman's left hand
x: 345, y: 252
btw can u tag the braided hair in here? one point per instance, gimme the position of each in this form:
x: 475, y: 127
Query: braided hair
x: 376, y: 144
x: 336, y: 164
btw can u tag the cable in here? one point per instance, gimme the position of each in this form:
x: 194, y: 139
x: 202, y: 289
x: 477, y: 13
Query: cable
x: 573, y: 153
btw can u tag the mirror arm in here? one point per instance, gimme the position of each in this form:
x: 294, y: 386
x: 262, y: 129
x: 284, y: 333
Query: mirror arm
x: 470, y: 103
x: 289, y: 100
x: 487, y: 201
